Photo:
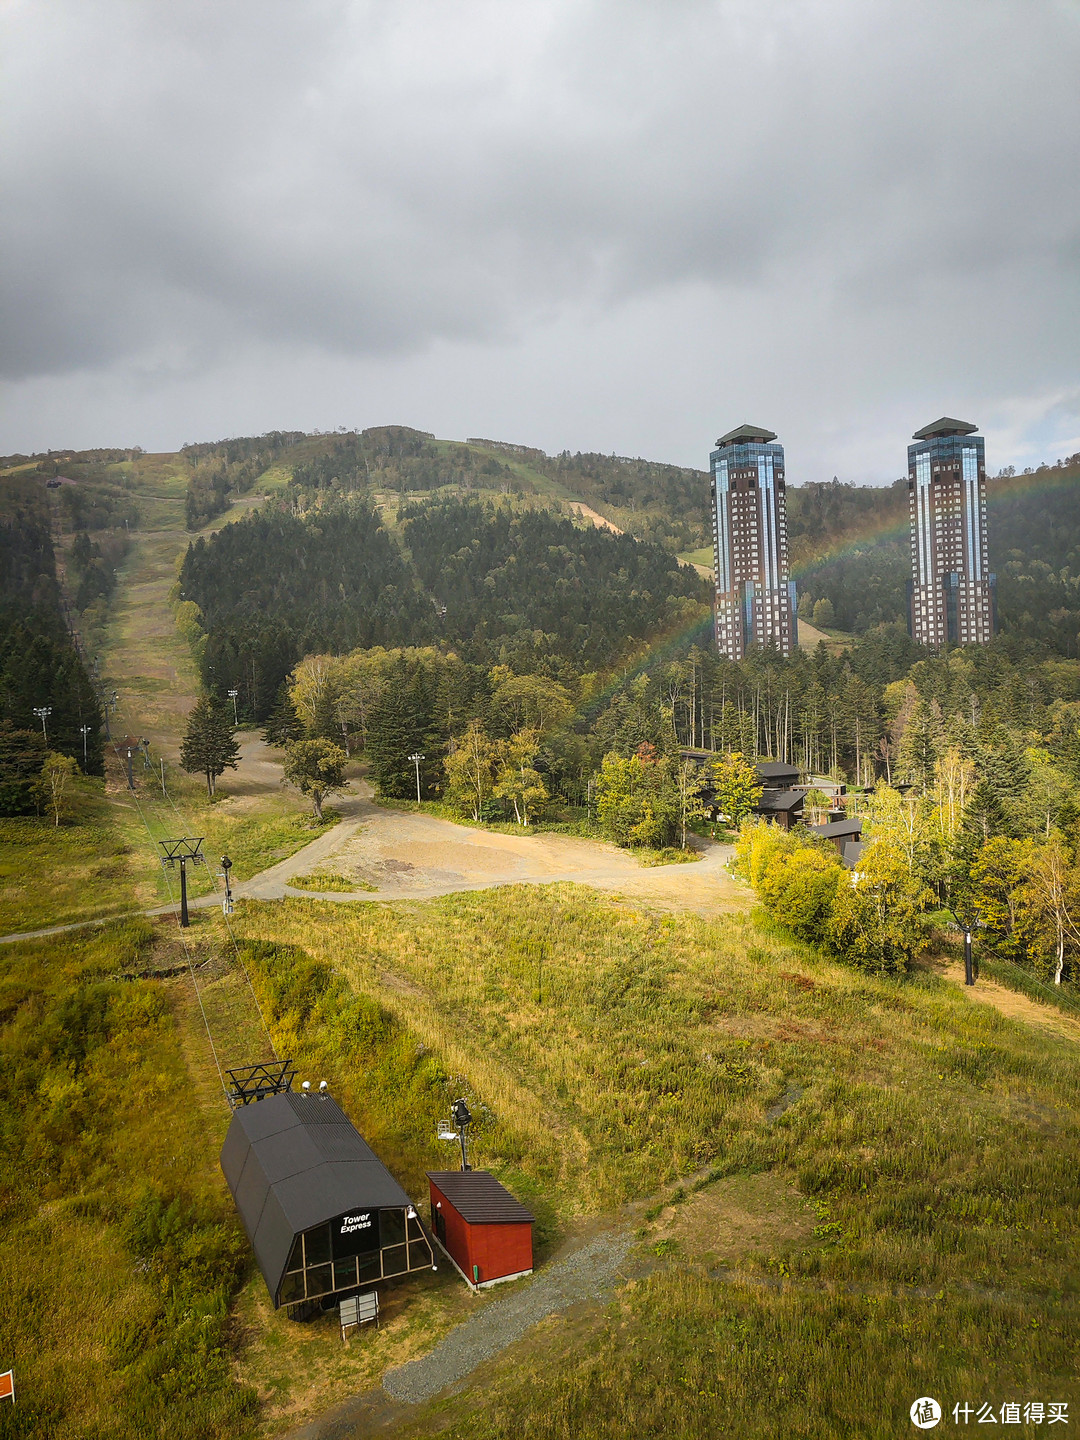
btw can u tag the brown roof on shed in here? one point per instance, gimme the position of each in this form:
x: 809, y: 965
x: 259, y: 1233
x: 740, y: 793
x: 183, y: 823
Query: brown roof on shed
x: 479, y: 1198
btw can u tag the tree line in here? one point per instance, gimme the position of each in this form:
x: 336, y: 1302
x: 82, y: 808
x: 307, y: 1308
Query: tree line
x: 530, y: 590
x: 40, y: 669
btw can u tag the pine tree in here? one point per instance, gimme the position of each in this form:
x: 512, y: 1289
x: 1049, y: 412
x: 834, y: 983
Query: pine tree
x: 284, y: 724
x: 208, y: 747
x: 404, y: 722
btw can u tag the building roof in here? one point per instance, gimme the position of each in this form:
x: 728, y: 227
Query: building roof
x: 945, y: 426
x: 479, y: 1198
x: 296, y: 1160
x: 743, y: 434
x: 852, y: 852
x: 781, y: 800
x: 834, y: 828
x: 774, y: 769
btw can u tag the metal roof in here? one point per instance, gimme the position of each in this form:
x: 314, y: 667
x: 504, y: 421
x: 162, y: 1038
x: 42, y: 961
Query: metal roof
x: 945, y: 426
x: 773, y: 769
x: 296, y: 1160
x: 781, y: 800
x: 853, y: 851
x: 479, y: 1198
x: 838, y: 827
x: 743, y: 434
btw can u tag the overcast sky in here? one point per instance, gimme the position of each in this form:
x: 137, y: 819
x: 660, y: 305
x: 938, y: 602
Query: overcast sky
x: 619, y: 226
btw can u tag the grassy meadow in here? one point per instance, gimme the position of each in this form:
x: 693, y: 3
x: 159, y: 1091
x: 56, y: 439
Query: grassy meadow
x: 120, y: 1253
x: 920, y: 1151
x: 611, y: 1052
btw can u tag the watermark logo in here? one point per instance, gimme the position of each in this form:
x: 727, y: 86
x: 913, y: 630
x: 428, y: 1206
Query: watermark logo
x: 925, y: 1413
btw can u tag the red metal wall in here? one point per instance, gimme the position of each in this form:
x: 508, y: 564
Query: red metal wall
x: 497, y: 1250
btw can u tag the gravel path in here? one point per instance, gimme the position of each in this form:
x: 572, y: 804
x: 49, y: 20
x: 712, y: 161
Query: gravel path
x: 587, y: 1274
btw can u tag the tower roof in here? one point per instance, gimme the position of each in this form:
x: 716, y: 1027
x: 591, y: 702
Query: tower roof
x: 944, y: 426
x: 744, y: 433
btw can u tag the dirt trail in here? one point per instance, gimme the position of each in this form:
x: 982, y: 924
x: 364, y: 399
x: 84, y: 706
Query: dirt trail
x: 1012, y: 1003
x: 398, y: 855
x: 588, y: 513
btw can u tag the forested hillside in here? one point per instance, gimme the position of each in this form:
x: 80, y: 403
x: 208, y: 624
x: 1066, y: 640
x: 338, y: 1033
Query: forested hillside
x: 528, y: 588
x: 39, y: 666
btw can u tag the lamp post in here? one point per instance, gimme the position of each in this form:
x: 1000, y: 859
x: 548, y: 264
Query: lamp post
x: 416, y: 761
x: 84, y: 731
x: 131, y: 777
x: 43, y: 712
x: 146, y: 754
x: 226, y: 904
x: 232, y: 696
x: 462, y: 1119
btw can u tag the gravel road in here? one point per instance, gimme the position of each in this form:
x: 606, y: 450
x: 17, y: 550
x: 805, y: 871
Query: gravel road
x: 587, y: 1274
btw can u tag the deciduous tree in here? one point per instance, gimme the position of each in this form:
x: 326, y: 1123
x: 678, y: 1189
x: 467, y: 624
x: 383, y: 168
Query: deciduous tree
x: 316, y: 768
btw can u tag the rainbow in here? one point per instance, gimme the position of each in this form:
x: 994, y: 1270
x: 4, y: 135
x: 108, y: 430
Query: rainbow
x: 875, y: 532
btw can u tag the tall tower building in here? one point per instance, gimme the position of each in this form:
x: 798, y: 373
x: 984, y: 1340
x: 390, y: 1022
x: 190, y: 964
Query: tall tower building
x: 755, y: 600
x: 951, y: 595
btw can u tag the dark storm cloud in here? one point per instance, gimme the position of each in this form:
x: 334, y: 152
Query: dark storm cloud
x: 186, y: 181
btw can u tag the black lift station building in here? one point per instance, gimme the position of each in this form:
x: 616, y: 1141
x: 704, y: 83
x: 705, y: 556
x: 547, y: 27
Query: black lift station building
x: 322, y: 1212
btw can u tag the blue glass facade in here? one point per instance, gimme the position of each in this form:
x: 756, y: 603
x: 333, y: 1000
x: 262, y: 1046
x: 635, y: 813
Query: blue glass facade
x: 951, y: 592
x: 755, y: 599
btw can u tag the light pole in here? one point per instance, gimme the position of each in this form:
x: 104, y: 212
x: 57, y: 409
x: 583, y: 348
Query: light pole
x: 146, y: 754
x: 84, y: 731
x: 131, y: 778
x: 43, y: 712
x: 232, y: 696
x: 416, y: 761
x: 226, y: 904
x: 462, y: 1119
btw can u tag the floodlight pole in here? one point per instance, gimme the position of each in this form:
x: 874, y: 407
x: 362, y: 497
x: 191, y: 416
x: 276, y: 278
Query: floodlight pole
x: 416, y: 761
x: 232, y: 696
x: 131, y: 777
x: 146, y: 754
x: 43, y: 712
x: 462, y: 1119
x: 84, y: 731
x: 226, y: 866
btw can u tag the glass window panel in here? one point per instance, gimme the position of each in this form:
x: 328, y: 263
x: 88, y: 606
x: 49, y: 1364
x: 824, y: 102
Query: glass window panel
x: 415, y: 1232
x: 320, y: 1281
x: 391, y: 1227
x: 344, y: 1274
x: 317, y: 1245
x: 296, y: 1256
x: 395, y: 1261
x: 355, y: 1232
x: 370, y: 1267
x: 292, y: 1289
x: 419, y: 1254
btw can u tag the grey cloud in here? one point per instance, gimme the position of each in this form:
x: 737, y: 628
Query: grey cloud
x: 366, y: 180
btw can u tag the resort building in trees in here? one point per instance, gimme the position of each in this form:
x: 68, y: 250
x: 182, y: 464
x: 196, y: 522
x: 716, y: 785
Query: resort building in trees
x: 755, y: 600
x: 951, y: 595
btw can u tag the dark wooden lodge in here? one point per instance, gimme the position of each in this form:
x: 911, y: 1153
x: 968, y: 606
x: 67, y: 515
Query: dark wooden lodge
x: 322, y: 1212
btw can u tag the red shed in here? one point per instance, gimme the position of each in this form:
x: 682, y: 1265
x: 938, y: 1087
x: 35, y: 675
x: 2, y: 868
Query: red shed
x: 483, y: 1229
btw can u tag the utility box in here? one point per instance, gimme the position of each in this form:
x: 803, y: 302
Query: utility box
x: 486, y: 1232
